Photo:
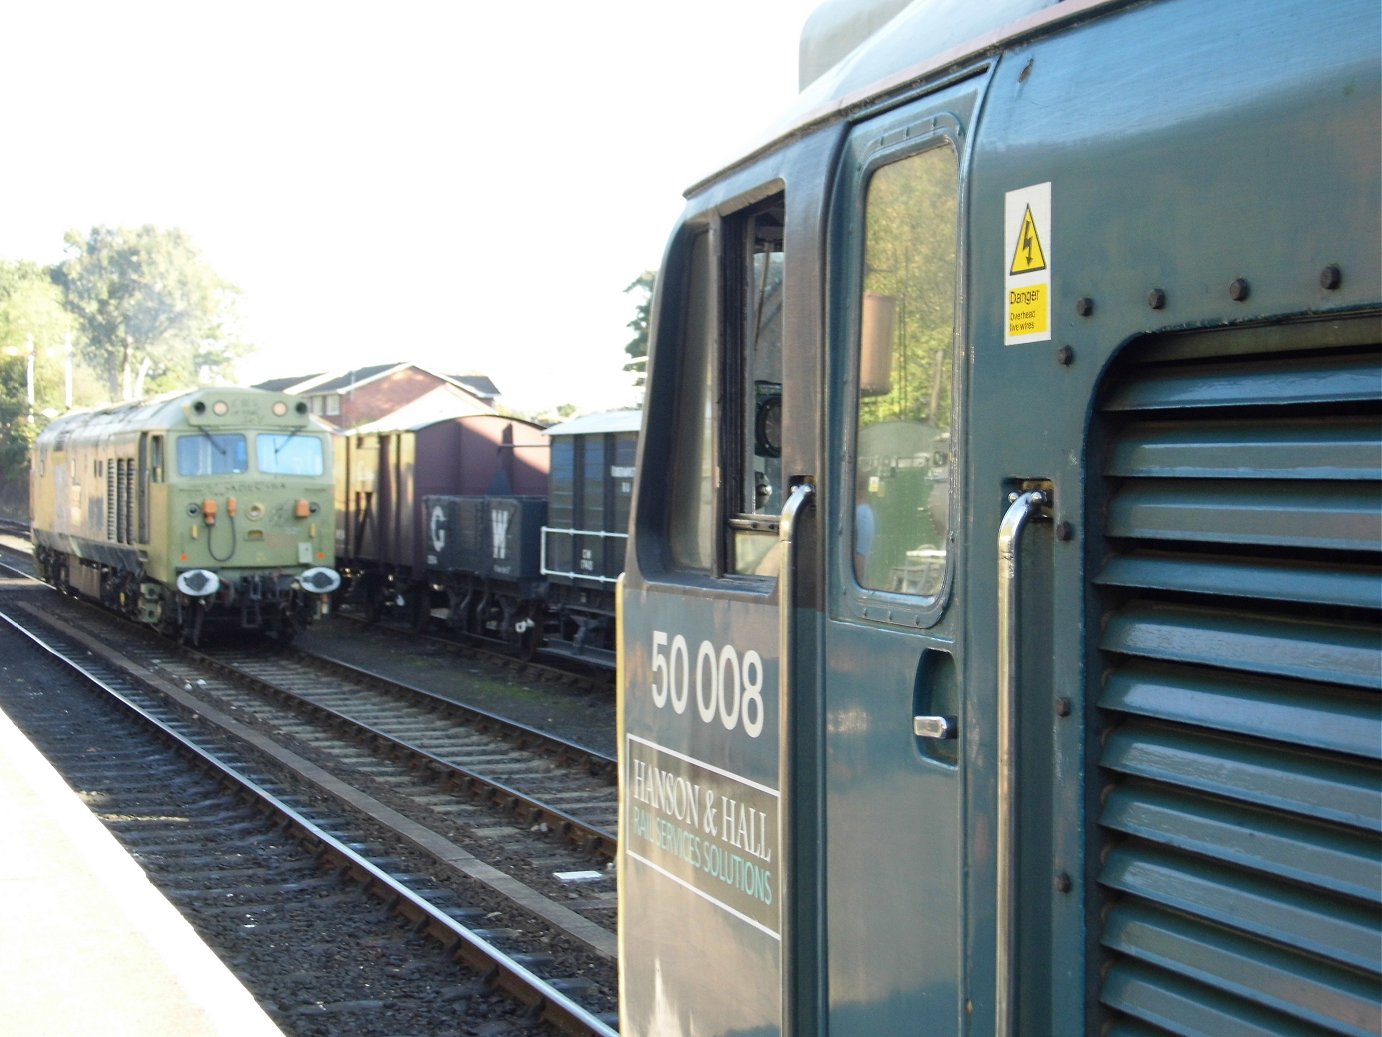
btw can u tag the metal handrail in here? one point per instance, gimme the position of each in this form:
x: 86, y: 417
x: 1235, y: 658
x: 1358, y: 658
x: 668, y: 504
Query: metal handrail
x: 797, y: 500
x: 542, y: 555
x: 1022, y: 507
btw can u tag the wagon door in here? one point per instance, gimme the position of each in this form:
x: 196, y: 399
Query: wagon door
x: 894, y: 720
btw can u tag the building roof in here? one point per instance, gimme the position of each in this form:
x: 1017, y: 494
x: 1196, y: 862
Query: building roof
x: 476, y: 383
x: 439, y: 404
x: 285, y: 384
x: 347, y: 381
x: 610, y: 421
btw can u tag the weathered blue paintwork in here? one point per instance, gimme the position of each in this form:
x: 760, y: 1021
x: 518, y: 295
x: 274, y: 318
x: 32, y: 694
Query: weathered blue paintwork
x: 1196, y: 800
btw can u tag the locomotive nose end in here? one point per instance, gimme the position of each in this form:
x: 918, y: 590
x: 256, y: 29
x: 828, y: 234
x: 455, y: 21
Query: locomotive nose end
x: 198, y: 583
x: 320, y: 580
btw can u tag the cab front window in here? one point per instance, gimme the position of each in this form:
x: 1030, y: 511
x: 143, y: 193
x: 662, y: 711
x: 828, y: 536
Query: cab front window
x: 289, y: 454
x: 212, y: 454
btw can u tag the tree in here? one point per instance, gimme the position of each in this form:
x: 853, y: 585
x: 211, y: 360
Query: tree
x: 33, y: 324
x: 152, y: 313
x: 637, y: 348
x: 910, y: 259
x: 35, y: 339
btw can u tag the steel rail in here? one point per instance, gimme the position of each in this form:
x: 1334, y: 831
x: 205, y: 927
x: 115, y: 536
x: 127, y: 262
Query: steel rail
x: 593, y: 839
x: 545, y: 1000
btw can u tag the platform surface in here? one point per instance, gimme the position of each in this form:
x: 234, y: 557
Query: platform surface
x: 87, y: 945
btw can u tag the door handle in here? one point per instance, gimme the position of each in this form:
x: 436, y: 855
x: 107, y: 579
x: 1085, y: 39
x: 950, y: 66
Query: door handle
x: 1022, y: 507
x: 936, y: 727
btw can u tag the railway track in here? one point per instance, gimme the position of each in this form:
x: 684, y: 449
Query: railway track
x: 536, y: 778
x: 541, y: 665
x: 565, y: 669
x: 380, y: 766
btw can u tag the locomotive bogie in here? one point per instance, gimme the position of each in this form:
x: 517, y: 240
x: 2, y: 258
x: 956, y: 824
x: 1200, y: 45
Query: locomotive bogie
x: 206, y: 502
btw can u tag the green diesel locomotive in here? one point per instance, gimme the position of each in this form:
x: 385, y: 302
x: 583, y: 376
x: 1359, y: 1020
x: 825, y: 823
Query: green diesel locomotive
x: 202, y: 502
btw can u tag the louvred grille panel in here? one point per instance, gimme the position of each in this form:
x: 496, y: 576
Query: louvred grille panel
x: 1241, y: 661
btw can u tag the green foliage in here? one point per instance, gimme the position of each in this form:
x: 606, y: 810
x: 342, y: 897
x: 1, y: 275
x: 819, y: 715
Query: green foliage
x: 910, y: 259
x: 35, y: 336
x: 546, y: 417
x: 31, y: 309
x: 637, y: 348
x: 152, y: 315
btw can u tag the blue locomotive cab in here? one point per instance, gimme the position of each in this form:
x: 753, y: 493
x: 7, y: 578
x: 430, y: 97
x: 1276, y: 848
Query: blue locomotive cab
x: 1000, y: 639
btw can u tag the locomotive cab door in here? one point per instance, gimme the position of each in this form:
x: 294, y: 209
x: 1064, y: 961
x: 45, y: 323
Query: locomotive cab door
x: 707, y: 847
x: 898, y: 731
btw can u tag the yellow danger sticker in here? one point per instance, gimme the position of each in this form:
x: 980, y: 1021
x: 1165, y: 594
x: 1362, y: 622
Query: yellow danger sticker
x: 1027, y: 231
x: 1029, y: 311
x: 1028, y: 256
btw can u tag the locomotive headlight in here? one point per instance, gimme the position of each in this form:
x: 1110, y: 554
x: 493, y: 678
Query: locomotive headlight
x: 220, y: 408
x: 319, y: 580
x: 255, y: 512
x: 280, y: 409
x: 198, y: 583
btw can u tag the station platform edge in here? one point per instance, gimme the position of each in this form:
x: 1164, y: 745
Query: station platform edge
x: 88, y: 945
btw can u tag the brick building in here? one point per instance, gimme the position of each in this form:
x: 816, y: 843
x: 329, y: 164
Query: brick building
x: 366, y: 394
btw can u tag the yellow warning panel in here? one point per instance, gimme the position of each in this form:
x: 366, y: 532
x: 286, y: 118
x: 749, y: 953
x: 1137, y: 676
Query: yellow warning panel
x: 1027, y: 254
x: 1029, y: 311
x: 1028, y: 231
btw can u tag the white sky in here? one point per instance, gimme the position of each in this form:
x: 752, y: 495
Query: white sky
x: 467, y: 186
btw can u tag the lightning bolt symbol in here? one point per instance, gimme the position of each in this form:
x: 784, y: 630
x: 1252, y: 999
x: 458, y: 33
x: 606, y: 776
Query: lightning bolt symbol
x: 1027, y: 239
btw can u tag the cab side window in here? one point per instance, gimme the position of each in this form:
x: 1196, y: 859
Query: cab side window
x: 692, y: 471
x: 905, y: 375
x: 753, y: 280
x: 726, y: 482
